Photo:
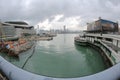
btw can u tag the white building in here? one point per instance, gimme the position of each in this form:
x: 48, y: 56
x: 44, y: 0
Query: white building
x: 15, y: 29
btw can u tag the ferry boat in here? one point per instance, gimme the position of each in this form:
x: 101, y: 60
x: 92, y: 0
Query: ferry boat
x: 80, y: 41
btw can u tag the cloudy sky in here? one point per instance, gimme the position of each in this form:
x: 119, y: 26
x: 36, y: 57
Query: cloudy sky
x: 54, y: 14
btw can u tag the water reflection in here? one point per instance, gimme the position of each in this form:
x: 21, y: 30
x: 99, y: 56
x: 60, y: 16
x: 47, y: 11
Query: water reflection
x: 64, y: 38
x: 92, y: 57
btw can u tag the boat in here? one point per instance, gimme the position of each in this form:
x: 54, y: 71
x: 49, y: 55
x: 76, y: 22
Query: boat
x: 80, y: 41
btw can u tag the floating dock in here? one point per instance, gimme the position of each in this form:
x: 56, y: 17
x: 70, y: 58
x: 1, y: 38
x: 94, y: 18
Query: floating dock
x: 43, y: 38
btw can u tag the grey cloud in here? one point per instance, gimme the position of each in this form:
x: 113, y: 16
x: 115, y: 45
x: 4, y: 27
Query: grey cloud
x: 115, y: 2
x: 34, y: 11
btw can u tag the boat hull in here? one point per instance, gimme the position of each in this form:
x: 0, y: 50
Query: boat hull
x: 80, y: 41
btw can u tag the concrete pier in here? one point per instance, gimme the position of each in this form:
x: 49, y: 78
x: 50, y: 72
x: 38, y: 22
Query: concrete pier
x: 110, y: 44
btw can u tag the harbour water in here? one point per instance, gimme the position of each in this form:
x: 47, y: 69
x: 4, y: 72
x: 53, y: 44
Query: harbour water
x: 60, y: 57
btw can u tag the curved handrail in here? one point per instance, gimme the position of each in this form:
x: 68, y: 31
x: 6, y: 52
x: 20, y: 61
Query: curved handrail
x: 15, y: 73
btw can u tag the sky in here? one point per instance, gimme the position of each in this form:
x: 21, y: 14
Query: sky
x: 54, y: 14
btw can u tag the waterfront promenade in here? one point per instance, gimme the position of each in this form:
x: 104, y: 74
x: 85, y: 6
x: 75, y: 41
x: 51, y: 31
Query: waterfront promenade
x: 113, y: 36
x: 109, y: 43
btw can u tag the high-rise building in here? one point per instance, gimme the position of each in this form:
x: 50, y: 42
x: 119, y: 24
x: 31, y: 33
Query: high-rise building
x: 64, y: 28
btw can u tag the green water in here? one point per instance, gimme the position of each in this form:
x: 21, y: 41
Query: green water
x: 60, y: 58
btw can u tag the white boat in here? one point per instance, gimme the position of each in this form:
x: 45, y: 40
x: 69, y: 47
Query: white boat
x: 80, y: 41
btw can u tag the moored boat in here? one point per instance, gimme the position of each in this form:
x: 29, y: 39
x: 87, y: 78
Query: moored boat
x: 80, y: 41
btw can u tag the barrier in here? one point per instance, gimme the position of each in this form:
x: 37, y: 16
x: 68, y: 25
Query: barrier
x: 15, y: 73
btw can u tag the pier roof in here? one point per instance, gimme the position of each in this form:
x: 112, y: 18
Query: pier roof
x: 107, y: 21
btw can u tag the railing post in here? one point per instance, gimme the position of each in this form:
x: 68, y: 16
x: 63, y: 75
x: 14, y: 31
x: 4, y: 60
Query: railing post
x: 117, y: 43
